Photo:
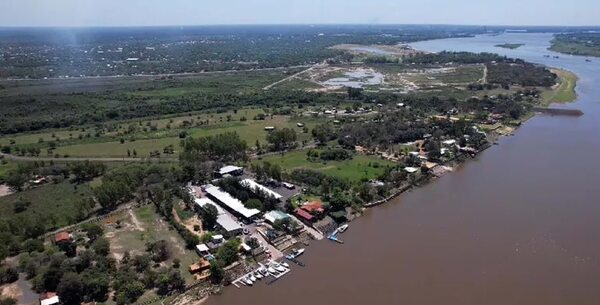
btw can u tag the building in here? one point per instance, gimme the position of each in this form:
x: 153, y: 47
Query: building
x: 228, y: 202
x: 202, y: 250
x: 275, y: 215
x: 257, y: 188
x: 49, y: 298
x: 230, y: 170
x: 304, y: 215
x: 200, y: 266
x: 62, y: 237
x: 225, y: 221
x: 313, y: 207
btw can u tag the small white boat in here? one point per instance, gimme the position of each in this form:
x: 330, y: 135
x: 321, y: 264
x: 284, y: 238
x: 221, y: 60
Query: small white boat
x: 262, y: 271
x: 247, y: 281
x: 279, y: 267
x: 298, y: 252
x: 252, y: 277
x: 258, y: 275
x: 343, y: 228
x: 272, y: 270
x: 285, y: 265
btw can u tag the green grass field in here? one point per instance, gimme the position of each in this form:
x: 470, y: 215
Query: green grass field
x: 575, y: 48
x: 359, y: 167
x: 55, y: 204
x: 249, y: 130
x: 564, y: 92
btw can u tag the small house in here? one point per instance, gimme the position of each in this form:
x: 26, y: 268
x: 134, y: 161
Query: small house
x: 270, y: 128
x: 230, y: 170
x: 62, y: 237
x: 49, y: 298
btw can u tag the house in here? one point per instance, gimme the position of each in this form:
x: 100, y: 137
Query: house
x: 49, y: 298
x: 200, y: 266
x: 275, y: 215
x: 269, y: 128
x: 202, y: 250
x: 289, y: 186
x: 304, y: 215
x: 62, y: 237
x: 313, y: 207
x: 230, y: 170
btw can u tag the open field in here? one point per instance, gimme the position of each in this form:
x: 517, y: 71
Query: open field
x: 141, y: 226
x: 250, y: 131
x: 564, y: 92
x: 359, y: 167
x: 56, y: 205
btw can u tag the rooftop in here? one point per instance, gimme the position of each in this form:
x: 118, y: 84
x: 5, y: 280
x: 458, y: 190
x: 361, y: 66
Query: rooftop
x: 229, y: 169
x: 231, y: 202
x: 224, y: 219
x: 254, y: 186
x: 275, y: 215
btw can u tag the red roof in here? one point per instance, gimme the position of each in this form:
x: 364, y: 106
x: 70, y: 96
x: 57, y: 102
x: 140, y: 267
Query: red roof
x: 62, y: 236
x: 304, y: 214
x: 313, y: 206
x: 47, y: 295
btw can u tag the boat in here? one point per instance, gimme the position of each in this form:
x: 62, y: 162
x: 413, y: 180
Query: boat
x: 588, y: 60
x: 262, y: 271
x: 285, y: 265
x: 298, y: 252
x: 278, y: 267
x: 247, y: 281
x: 343, y: 228
x: 252, y: 277
x: 272, y: 270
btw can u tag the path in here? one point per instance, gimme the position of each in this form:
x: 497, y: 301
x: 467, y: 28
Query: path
x: 292, y: 76
x: 75, y: 159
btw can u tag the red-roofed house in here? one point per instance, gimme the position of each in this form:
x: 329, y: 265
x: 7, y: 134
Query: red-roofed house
x: 62, y: 237
x: 313, y: 207
x: 304, y: 215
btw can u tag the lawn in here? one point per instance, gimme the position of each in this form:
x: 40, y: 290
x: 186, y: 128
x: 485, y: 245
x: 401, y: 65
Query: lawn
x: 250, y: 130
x: 359, y: 167
x: 143, y: 225
x: 55, y: 204
x: 565, y: 91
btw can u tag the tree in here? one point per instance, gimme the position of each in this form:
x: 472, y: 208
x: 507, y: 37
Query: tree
x: 21, y: 205
x: 209, y: 216
x: 8, y: 275
x: 228, y: 252
x: 254, y: 203
x: 159, y: 250
x: 101, y: 246
x: 7, y: 301
x: 433, y: 150
x: 216, y: 273
x: 281, y: 139
x: 252, y: 242
x: 93, y: 231
x: 16, y: 180
x: 323, y: 133
x: 69, y: 289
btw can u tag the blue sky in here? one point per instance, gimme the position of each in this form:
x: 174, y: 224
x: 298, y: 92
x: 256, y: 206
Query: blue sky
x: 200, y: 12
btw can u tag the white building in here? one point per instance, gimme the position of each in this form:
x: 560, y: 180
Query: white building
x: 224, y: 219
x: 229, y: 202
x: 257, y: 187
x: 231, y: 170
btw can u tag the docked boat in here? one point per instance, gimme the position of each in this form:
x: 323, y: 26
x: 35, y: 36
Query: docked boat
x: 262, y: 271
x: 252, y: 277
x: 247, y: 281
x: 285, y: 265
x: 343, y: 228
x: 258, y: 275
x: 272, y: 270
x: 279, y: 267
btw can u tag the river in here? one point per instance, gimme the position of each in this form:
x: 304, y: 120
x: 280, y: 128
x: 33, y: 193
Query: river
x: 518, y: 225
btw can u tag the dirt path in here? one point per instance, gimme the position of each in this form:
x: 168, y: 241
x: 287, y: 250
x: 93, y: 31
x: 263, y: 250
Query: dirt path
x: 5, y: 190
x: 136, y: 222
x: 75, y: 159
x: 291, y: 77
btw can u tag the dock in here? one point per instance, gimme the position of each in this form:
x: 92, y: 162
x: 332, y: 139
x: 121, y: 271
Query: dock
x: 239, y: 282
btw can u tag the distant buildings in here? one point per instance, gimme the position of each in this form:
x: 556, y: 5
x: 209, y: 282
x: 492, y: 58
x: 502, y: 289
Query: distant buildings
x: 227, y: 224
x: 230, y: 203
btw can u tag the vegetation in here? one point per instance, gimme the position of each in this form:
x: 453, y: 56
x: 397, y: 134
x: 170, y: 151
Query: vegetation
x: 511, y: 46
x: 585, y: 44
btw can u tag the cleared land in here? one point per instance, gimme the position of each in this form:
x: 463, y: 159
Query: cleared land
x: 141, y: 226
x: 359, y: 167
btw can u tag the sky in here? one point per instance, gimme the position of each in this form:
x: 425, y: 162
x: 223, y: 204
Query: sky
x: 209, y: 12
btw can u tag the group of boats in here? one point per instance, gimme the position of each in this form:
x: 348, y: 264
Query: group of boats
x: 274, y: 269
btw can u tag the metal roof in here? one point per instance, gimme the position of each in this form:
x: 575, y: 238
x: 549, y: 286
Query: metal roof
x: 255, y: 186
x: 230, y: 202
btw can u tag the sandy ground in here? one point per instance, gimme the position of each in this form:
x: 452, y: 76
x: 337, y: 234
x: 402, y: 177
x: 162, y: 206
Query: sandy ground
x: 11, y: 291
x: 5, y: 190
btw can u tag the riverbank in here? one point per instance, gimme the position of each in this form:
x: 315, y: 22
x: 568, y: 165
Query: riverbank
x: 564, y: 91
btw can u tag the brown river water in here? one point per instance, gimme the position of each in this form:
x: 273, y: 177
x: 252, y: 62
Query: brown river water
x: 518, y: 225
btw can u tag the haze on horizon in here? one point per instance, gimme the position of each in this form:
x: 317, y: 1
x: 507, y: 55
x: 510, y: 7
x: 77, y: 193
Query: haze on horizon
x: 193, y: 12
